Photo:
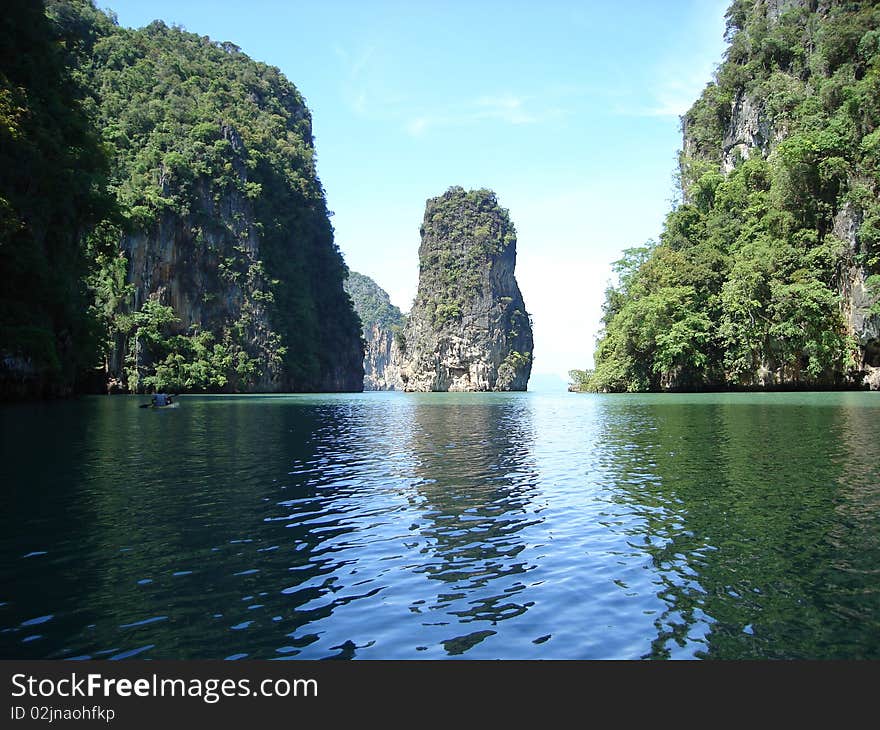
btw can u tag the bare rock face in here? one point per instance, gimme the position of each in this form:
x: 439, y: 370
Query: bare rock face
x: 749, y: 132
x: 382, y: 359
x: 872, y: 378
x: 775, y: 8
x: 382, y: 327
x: 468, y: 329
x: 858, y: 302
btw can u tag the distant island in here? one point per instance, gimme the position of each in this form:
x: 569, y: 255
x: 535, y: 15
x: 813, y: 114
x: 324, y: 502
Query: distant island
x: 767, y: 275
x: 382, y: 324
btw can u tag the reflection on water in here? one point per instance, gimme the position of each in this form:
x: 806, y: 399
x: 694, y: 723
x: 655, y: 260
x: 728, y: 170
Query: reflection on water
x: 476, y: 480
x: 741, y: 515
x: 442, y: 525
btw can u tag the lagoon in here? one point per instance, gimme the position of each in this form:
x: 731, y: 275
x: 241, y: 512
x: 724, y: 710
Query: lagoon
x: 434, y: 526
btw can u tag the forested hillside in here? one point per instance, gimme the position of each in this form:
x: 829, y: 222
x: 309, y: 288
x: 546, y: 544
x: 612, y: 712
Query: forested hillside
x: 372, y: 303
x: 211, y: 265
x: 768, y: 272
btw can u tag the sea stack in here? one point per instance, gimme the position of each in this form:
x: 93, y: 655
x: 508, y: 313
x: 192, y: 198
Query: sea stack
x: 468, y: 329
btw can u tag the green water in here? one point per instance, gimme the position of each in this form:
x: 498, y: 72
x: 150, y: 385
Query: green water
x: 442, y: 525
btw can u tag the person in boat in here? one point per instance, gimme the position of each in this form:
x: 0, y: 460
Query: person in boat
x: 161, y: 399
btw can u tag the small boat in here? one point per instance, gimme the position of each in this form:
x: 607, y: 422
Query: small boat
x: 160, y: 408
x: 161, y: 402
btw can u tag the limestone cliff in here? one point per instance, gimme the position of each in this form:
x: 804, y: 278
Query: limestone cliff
x: 209, y: 267
x: 468, y: 329
x: 382, y: 324
x: 791, y: 65
x: 859, y: 303
x: 226, y: 275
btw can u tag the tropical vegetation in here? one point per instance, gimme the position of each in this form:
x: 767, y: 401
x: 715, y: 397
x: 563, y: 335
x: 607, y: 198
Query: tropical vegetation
x: 116, y: 141
x: 745, y: 286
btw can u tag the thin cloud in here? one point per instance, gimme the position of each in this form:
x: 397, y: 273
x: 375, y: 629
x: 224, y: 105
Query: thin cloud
x: 356, y: 82
x: 507, y: 108
x: 416, y: 127
x: 674, y: 93
x: 677, y: 94
x: 679, y: 80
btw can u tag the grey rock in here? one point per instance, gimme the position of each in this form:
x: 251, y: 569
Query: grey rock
x: 872, y: 377
x: 775, y: 8
x: 468, y: 329
x: 862, y: 323
x: 748, y: 133
x: 382, y: 360
x: 382, y: 324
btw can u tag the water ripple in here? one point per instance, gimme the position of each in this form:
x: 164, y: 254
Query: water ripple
x: 438, y: 525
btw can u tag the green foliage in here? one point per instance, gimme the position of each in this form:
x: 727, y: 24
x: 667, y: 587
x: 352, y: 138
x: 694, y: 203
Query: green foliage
x: 517, y: 360
x: 195, y: 138
x: 707, y: 119
x: 445, y: 311
x: 160, y: 357
x: 372, y: 304
x: 191, y: 116
x: 462, y: 233
x: 742, y: 288
x: 52, y: 173
x: 399, y: 335
x: 579, y: 381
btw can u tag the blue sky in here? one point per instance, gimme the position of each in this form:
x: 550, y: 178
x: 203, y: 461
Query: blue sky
x: 568, y: 110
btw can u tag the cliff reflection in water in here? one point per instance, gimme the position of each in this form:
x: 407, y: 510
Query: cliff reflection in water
x: 760, y: 521
x: 391, y: 525
x: 477, y: 477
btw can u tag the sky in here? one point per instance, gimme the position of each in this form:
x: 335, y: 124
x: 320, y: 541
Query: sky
x: 569, y: 111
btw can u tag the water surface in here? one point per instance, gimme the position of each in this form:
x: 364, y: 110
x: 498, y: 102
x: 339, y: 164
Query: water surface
x: 377, y: 526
